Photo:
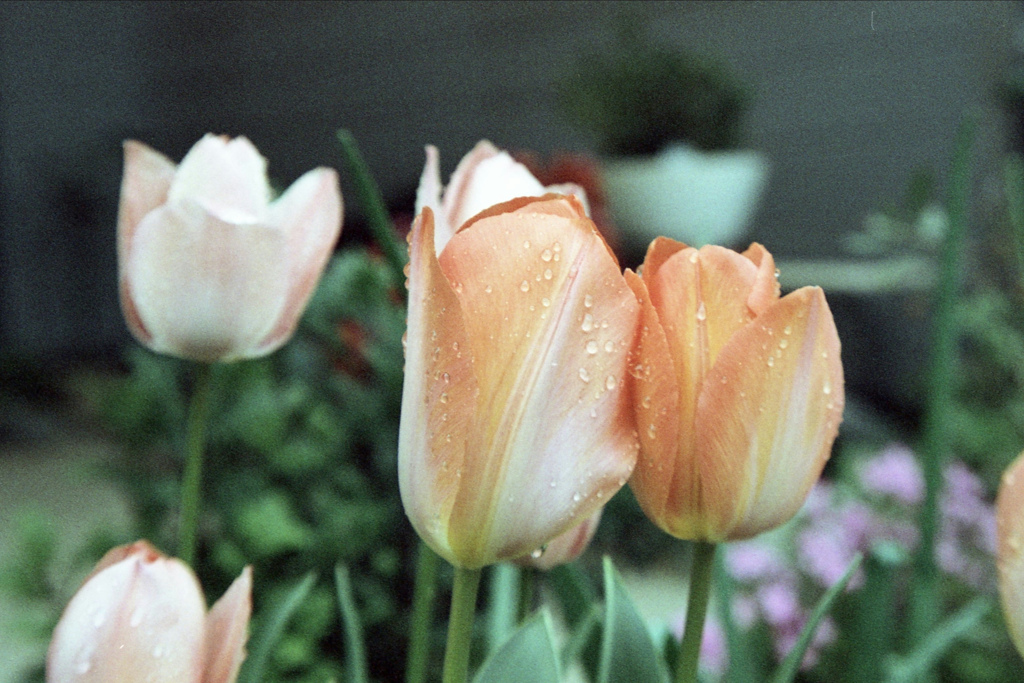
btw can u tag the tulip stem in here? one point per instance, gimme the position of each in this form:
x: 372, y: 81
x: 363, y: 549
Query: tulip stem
x: 423, y: 595
x: 696, y: 611
x: 191, y: 484
x: 460, y: 625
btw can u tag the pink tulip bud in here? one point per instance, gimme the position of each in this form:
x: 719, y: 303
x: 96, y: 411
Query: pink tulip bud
x: 211, y: 268
x: 516, y: 425
x: 141, y: 616
x: 738, y: 395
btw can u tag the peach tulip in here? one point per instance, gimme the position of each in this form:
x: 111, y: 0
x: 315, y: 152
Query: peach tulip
x: 1010, y: 549
x: 211, y: 268
x: 738, y: 395
x: 516, y: 423
x: 563, y: 548
x: 141, y: 616
x: 485, y: 177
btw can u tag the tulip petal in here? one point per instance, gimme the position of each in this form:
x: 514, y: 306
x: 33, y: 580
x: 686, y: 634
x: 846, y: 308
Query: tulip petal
x: 438, y: 395
x: 485, y: 177
x: 147, y: 179
x: 766, y: 287
x: 656, y: 405
x: 1010, y: 550
x: 550, y: 323
x: 428, y: 194
x: 203, y: 288
x: 565, y: 547
x: 228, y: 178
x: 309, y: 214
x: 227, y: 629
x: 138, y: 619
x: 768, y: 412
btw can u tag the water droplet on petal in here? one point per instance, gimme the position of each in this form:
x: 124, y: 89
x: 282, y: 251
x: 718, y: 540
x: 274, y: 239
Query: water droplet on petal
x: 488, y: 289
x: 702, y: 312
x: 444, y: 397
x: 610, y: 383
x: 646, y: 403
x: 545, y: 255
x: 771, y: 361
x: 609, y: 346
x: 588, y: 323
x: 591, y: 347
x: 525, y: 286
x: 554, y: 483
x: 545, y: 302
x: 584, y: 375
x: 827, y: 389
x: 588, y: 301
x: 576, y: 497
x: 158, y: 651
x: 547, y: 274
x: 446, y: 377
x: 788, y: 329
x: 652, y: 431
x: 526, y: 244
x: 783, y: 343
x: 693, y: 256
x: 538, y: 552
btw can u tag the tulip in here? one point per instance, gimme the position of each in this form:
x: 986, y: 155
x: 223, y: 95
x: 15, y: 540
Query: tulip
x: 141, y: 616
x: 1009, y: 555
x: 210, y: 268
x: 563, y: 548
x: 485, y: 177
x: 516, y: 424
x: 738, y: 395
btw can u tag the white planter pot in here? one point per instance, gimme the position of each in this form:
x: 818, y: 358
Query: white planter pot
x: 691, y: 196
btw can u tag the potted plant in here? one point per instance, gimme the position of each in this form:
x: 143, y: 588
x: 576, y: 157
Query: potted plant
x: 668, y: 124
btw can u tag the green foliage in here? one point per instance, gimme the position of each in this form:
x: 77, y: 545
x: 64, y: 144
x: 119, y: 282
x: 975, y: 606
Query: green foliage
x: 642, y: 94
x: 531, y: 648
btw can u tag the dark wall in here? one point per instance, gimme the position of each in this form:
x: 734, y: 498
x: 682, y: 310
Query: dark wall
x: 852, y: 97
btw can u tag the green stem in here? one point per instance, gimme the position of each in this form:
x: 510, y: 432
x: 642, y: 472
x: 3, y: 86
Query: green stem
x: 696, y: 611
x: 460, y: 625
x: 925, y: 607
x: 373, y: 204
x: 191, y: 485
x: 424, y: 592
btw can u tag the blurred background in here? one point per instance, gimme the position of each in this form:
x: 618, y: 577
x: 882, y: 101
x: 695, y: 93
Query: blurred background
x: 851, y: 107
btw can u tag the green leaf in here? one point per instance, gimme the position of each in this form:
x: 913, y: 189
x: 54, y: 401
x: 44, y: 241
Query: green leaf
x: 628, y: 654
x: 503, y: 604
x: 788, y: 669
x: 271, y: 628
x: 355, y: 648
x: 910, y: 667
x: 530, y: 652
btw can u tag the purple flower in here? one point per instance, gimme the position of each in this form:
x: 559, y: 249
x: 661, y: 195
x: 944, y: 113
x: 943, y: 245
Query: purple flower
x: 894, y: 472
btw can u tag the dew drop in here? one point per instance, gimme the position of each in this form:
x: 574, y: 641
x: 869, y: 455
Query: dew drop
x: 693, y: 256
x: 526, y: 244
x: 553, y: 483
x: 783, y: 343
x: 609, y: 346
x: 593, y: 412
x: 771, y: 361
x: 536, y: 554
x: 610, y: 383
x: 584, y: 375
x: 455, y: 346
x: 557, y: 247
x: 525, y: 286
x: 83, y: 667
x: 545, y: 302
x: 576, y: 497
x: 444, y: 397
x: 827, y: 389
x: 824, y: 354
x: 547, y: 274
x: 437, y: 352
x: 458, y: 288
x: 488, y: 289
x: 158, y: 651
x: 588, y: 323
x: 724, y: 379
x: 588, y: 301
x: 446, y: 377
x: 788, y: 330
x: 702, y: 312
x: 545, y: 255
x: 591, y: 347
x: 646, y: 403
x: 777, y: 273
x: 652, y: 431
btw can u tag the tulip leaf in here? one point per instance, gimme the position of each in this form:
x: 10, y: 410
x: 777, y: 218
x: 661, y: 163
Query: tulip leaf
x: 530, y: 651
x: 922, y: 659
x: 373, y: 205
x: 628, y: 654
x: 503, y: 604
x: 791, y: 664
x: 355, y: 647
x: 271, y: 629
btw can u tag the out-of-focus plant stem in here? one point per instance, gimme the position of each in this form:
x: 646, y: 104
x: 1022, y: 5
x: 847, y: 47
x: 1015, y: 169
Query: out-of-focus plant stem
x: 191, y: 484
x: 696, y: 611
x: 372, y: 202
x: 925, y: 607
x: 424, y: 592
x: 460, y: 625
